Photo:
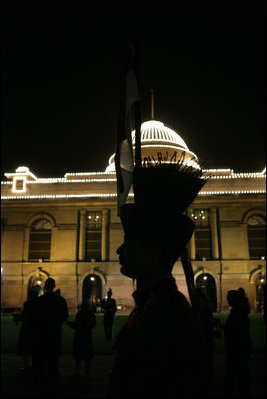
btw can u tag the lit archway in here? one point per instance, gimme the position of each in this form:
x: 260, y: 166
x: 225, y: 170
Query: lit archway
x: 260, y: 283
x: 206, y: 283
x: 37, y: 279
x: 92, y: 290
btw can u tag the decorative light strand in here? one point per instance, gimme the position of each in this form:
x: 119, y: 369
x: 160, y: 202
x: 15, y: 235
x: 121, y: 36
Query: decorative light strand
x: 240, y: 176
x: 232, y: 192
x: 88, y: 173
x: 70, y: 181
x: 253, y: 175
x: 55, y: 196
x: 103, y: 195
x: 217, y: 170
x: 177, y: 147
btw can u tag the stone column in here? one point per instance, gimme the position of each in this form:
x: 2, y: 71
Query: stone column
x: 26, y: 244
x: 53, y: 243
x: 105, y: 224
x: 82, y: 234
x: 244, y: 229
x: 192, y: 246
x: 214, y: 233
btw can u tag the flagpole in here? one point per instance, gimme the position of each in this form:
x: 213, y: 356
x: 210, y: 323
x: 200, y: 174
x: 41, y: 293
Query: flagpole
x: 152, y: 104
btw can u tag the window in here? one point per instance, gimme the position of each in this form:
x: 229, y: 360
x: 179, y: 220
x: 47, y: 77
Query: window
x: 256, y: 237
x: 203, y: 245
x: 19, y: 185
x: 93, y: 235
x: 40, y: 240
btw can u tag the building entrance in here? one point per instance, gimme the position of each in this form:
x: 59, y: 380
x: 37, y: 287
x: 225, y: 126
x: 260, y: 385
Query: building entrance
x: 36, y: 281
x: 206, y: 283
x: 92, y: 290
x: 260, y: 287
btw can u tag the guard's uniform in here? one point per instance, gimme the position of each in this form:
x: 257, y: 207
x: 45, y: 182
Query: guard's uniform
x: 157, y: 351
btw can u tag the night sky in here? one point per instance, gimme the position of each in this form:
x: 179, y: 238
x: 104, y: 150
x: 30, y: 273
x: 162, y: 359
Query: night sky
x: 62, y: 65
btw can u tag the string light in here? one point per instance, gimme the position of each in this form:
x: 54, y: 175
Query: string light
x: 62, y: 180
x: 86, y: 173
x: 232, y: 192
x: 217, y: 170
x: 55, y: 196
x: 104, y: 195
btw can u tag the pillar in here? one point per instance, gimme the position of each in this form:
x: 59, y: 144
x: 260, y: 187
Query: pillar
x: 214, y: 233
x: 53, y: 250
x: 244, y: 228
x: 192, y: 246
x: 26, y: 244
x: 82, y: 235
x: 104, y: 247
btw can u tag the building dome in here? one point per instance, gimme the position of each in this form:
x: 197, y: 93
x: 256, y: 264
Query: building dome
x: 156, y: 132
x: 159, y: 140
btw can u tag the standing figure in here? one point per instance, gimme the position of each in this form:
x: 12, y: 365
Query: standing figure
x: 24, y: 347
x: 237, y: 343
x: 159, y: 350
x: 110, y: 309
x: 243, y: 299
x: 82, y: 345
x: 207, y: 324
x: 49, y: 312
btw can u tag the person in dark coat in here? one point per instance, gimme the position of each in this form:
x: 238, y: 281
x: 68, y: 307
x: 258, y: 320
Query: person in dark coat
x: 84, y: 322
x: 243, y: 300
x: 24, y: 346
x: 110, y: 309
x: 49, y: 313
x: 237, y: 344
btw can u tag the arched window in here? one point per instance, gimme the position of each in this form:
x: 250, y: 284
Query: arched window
x: 40, y: 240
x: 92, y: 290
x: 260, y: 287
x: 256, y: 237
x: 206, y: 283
x: 36, y: 281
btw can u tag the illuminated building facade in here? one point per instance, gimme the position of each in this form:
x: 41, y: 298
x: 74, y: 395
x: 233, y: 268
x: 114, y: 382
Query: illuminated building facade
x: 68, y: 228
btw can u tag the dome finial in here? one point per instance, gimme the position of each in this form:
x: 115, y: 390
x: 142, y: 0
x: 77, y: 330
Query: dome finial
x: 152, y: 103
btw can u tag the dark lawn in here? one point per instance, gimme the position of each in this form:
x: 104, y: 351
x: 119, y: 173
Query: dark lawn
x: 10, y: 331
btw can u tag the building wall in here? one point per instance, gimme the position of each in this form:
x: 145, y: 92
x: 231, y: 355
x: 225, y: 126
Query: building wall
x: 235, y: 269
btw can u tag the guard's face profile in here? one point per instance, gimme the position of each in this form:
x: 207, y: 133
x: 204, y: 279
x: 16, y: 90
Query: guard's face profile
x: 139, y: 259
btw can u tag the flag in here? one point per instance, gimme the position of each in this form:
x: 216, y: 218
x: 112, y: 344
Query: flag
x: 127, y: 120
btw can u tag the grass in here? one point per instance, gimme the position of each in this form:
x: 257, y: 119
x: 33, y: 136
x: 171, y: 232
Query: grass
x: 10, y: 332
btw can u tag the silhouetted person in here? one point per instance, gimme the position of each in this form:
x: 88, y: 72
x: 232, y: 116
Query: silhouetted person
x: 243, y: 300
x: 82, y: 345
x: 237, y: 343
x: 49, y: 312
x: 207, y: 323
x: 110, y: 309
x: 24, y: 347
x: 157, y: 351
